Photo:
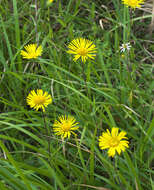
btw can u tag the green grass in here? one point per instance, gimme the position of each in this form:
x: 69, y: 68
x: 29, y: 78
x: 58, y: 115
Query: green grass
x: 118, y: 93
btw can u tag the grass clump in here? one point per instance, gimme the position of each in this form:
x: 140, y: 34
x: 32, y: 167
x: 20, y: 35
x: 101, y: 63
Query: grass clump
x: 105, y: 87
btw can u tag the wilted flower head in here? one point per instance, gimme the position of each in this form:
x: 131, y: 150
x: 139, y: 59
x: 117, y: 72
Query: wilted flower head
x: 65, y: 125
x: 125, y: 47
x: 38, y: 99
x: 113, y: 141
x: 83, y: 48
x: 133, y: 3
x: 32, y: 51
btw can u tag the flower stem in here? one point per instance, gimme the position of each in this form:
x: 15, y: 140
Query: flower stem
x: 83, y: 72
x: 116, y: 170
x: 63, y: 147
x: 85, y: 78
x: 47, y: 135
x: 36, y: 17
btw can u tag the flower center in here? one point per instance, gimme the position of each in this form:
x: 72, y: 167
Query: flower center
x: 134, y: 3
x: 125, y: 46
x: 39, y: 100
x: 114, y: 142
x: 66, y: 127
x: 82, y: 51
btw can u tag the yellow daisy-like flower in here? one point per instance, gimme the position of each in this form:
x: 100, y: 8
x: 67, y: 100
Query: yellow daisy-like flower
x: 65, y: 125
x: 32, y: 51
x: 113, y: 141
x: 83, y: 48
x: 49, y: 2
x: 133, y: 3
x: 38, y: 99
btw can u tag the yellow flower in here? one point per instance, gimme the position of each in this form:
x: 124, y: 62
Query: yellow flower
x: 32, y: 51
x: 133, y: 3
x: 38, y: 99
x: 83, y: 48
x: 65, y: 126
x: 49, y: 2
x: 113, y: 141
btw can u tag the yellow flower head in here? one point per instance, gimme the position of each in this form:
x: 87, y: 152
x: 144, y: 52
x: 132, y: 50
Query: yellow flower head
x: 38, y: 99
x: 65, y: 126
x: 83, y: 48
x: 32, y: 51
x: 113, y: 141
x: 133, y: 3
x: 49, y: 2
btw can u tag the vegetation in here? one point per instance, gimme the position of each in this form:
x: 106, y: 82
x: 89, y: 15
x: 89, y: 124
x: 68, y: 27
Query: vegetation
x: 108, y: 90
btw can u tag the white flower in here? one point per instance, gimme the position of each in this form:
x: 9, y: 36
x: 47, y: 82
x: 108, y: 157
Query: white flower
x: 125, y: 47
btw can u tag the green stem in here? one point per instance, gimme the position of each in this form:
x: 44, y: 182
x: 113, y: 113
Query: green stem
x: 83, y: 72
x: 85, y: 79
x: 47, y: 134
x: 81, y: 158
x: 36, y: 16
x: 124, y: 66
x: 116, y: 170
x: 64, y: 150
x: 17, y: 33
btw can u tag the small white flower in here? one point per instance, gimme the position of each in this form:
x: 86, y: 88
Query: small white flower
x: 125, y: 47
